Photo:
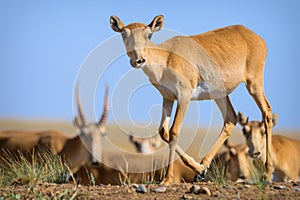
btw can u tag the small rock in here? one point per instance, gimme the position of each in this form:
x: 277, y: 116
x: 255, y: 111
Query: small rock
x: 295, y: 183
x: 297, y: 189
x: 195, y: 189
x: 141, y: 189
x: 205, y: 190
x: 134, y: 185
x: 160, y: 189
x: 218, y: 195
x: 247, y: 186
x: 279, y: 187
x: 186, y: 197
x: 240, y: 180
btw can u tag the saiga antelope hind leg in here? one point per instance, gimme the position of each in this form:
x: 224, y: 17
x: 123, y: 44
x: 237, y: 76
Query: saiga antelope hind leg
x: 230, y: 121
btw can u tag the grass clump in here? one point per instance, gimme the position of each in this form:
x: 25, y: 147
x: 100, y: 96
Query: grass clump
x: 257, y: 173
x: 217, y: 172
x: 42, y: 166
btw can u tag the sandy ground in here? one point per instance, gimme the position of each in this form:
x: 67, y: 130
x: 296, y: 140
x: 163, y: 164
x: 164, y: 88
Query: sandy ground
x: 178, y: 191
x: 197, y: 143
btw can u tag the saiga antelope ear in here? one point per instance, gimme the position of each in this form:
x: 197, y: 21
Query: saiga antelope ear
x: 242, y: 119
x: 132, y: 138
x: 116, y: 24
x: 274, y: 119
x: 157, y: 23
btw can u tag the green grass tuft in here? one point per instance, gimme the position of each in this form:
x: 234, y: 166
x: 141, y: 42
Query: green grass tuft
x: 257, y: 173
x: 44, y: 166
x: 217, y: 172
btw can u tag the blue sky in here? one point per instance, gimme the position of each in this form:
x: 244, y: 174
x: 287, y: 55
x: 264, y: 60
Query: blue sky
x: 46, y: 45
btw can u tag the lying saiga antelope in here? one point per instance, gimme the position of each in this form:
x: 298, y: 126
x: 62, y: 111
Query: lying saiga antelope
x: 237, y: 161
x: 80, y: 150
x: 145, y: 145
x: 285, y: 151
x: 205, y: 66
x: 115, y: 167
x: 235, y: 158
x: 25, y: 141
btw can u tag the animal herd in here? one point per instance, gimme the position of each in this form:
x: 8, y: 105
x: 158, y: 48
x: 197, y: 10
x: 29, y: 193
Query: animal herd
x: 184, y: 68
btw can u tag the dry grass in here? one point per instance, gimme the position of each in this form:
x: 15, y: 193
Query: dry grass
x: 257, y: 171
x: 217, y: 172
x: 42, y: 167
x: 202, y: 140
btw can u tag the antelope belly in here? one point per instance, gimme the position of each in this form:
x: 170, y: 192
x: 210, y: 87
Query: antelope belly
x: 207, y: 91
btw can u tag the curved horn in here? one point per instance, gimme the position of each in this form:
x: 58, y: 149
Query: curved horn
x: 105, y: 109
x: 79, y: 106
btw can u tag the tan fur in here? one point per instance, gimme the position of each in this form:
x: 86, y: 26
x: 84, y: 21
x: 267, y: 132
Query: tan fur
x: 136, y: 168
x: 285, y: 151
x: 146, y: 145
x: 239, y: 163
x: 14, y: 140
x: 215, y: 63
x: 236, y: 161
x: 77, y: 150
x: 235, y: 158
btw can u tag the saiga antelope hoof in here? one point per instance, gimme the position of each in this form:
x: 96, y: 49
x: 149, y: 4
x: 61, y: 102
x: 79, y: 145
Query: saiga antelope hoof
x: 201, y: 169
x: 166, y: 182
x: 267, y: 180
x: 200, y: 175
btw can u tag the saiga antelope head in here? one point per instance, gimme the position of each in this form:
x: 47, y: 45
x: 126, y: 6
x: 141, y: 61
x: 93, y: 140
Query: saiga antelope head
x: 136, y: 37
x: 255, y: 135
x: 239, y: 162
x: 91, y: 133
x: 146, y: 145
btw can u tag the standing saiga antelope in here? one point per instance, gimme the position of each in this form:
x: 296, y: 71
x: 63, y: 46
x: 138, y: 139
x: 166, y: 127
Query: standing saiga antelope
x: 205, y: 66
x: 285, y: 151
x: 83, y: 149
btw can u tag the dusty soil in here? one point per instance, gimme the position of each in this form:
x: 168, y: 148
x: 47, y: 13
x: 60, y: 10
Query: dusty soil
x: 178, y: 191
